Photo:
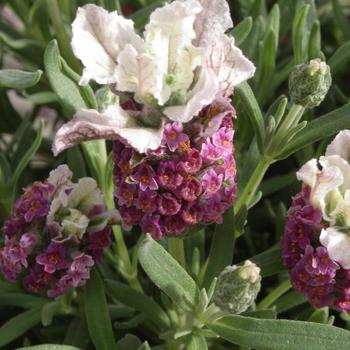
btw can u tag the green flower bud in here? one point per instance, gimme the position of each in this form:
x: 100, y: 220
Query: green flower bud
x: 237, y: 287
x: 309, y: 83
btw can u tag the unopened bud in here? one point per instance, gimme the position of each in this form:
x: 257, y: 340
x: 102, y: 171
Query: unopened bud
x: 237, y: 287
x: 309, y: 83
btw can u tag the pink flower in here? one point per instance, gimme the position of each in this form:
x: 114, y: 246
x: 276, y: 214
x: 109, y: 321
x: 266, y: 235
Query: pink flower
x: 211, y: 182
x: 173, y: 135
x: 147, y: 201
x: 168, y: 204
x: 54, y: 258
x: 145, y: 177
x: 151, y: 224
x: 167, y: 175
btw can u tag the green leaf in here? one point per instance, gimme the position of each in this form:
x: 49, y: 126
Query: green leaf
x: 49, y: 347
x: 18, y: 79
x: 320, y: 316
x: 77, y: 333
x: 18, y: 325
x: 269, y: 261
x: 27, y: 157
x: 138, y: 301
x: 196, y: 342
x: 25, y: 301
x: 246, y: 96
x: 242, y: 30
x: 300, y: 35
x: 340, y: 58
x: 129, y: 342
x: 222, y: 248
x: 168, y: 274
x: 42, y: 98
x: 315, y: 41
x: 263, y: 314
x: 318, y: 129
x: 288, y: 301
x: 280, y: 334
x: 96, y: 312
x: 66, y: 89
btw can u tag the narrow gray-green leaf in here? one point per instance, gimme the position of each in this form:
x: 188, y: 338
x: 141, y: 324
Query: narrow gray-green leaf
x: 222, y: 247
x: 18, y: 325
x: 66, y: 89
x: 197, y: 342
x: 318, y: 129
x: 167, y: 273
x: 340, y: 58
x: 96, y: 312
x: 315, y: 41
x: 280, y: 334
x: 27, y: 157
x: 25, y: 301
x: 18, y: 79
x: 299, y: 35
x: 242, y: 30
x: 341, y: 19
x: 244, y: 92
x: 138, y: 301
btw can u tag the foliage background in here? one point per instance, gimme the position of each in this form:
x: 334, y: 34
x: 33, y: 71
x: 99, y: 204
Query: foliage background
x: 274, y: 35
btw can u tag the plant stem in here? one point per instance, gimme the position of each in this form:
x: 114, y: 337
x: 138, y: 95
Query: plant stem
x: 274, y: 295
x: 177, y: 250
x: 253, y: 184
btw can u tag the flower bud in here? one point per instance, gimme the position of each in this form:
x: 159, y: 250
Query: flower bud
x: 237, y: 287
x: 309, y: 83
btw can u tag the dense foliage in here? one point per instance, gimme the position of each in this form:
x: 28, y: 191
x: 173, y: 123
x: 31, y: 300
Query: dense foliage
x: 149, y: 294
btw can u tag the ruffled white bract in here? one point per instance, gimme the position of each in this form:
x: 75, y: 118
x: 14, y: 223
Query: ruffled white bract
x: 183, y: 61
x: 329, y: 182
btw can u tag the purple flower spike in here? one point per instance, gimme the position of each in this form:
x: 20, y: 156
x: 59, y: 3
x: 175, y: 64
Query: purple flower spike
x: 211, y: 182
x: 145, y: 177
x: 195, y: 175
x: 173, y: 136
x: 168, y: 204
x: 147, y: 201
x: 53, y: 259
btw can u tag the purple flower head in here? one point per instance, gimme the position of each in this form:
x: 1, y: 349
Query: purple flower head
x: 209, y: 152
x: 167, y: 175
x: 54, y: 258
x: 147, y: 201
x: 174, y: 136
x: 308, y: 215
x: 223, y: 138
x: 194, y: 170
x: 126, y: 193
x: 145, y: 177
x: 168, y: 204
x: 151, y: 224
x: 211, y: 182
x: 191, y: 163
x: 190, y: 189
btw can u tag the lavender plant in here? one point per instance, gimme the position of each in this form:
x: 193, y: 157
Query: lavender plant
x: 177, y: 144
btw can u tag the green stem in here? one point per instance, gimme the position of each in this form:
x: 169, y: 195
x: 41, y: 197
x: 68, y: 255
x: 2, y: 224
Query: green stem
x: 61, y: 34
x: 177, y: 250
x: 274, y: 295
x: 253, y: 184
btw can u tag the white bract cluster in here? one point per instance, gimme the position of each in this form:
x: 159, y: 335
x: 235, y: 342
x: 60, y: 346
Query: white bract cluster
x: 330, y: 192
x: 182, y: 62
